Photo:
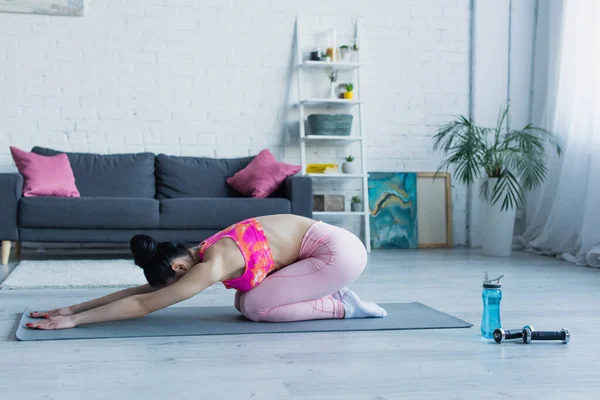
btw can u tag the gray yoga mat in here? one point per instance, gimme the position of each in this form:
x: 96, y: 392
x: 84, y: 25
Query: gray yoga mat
x: 191, y: 321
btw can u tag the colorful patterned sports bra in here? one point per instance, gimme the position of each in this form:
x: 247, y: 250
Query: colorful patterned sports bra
x: 252, y: 242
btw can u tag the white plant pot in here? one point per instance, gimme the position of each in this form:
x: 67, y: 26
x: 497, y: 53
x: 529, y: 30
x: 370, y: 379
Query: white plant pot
x: 351, y: 168
x: 345, y: 54
x: 497, y: 226
x: 355, y: 207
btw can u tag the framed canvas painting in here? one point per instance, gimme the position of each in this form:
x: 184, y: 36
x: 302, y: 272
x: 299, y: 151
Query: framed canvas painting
x: 393, y: 208
x: 47, y: 7
x: 434, y: 205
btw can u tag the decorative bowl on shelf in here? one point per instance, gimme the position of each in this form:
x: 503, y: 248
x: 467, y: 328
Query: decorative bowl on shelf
x: 330, y: 124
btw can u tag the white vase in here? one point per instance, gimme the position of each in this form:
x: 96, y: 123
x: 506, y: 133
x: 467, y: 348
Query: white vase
x: 497, y: 226
x: 351, y: 167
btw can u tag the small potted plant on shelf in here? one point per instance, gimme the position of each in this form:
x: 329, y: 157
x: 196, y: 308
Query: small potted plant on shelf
x: 350, y: 167
x: 508, y: 163
x: 344, y: 52
x: 356, y: 204
x: 349, y: 94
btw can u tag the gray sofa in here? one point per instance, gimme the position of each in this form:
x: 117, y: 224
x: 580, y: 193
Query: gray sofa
x: 174, y: 198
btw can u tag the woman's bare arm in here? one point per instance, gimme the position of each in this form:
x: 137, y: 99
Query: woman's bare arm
x: 99, y: 302
x: 199, y: 278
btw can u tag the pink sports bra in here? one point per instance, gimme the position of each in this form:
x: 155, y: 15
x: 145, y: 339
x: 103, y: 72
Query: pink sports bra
x: 252, y: 242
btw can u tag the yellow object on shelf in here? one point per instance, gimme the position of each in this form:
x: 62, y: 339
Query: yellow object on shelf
x: 319, y: 168
x: 348, y: 95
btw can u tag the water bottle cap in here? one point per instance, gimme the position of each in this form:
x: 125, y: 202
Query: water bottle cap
x: 492, y: 285
x: 489, y: 283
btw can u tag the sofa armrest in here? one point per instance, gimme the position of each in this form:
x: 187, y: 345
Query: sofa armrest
x: 298, y: 189
x: 11, y: 190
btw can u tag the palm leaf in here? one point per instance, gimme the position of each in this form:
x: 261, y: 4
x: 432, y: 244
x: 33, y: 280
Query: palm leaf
x: 527, y: 157
x: 447, y: 134
x: 545, y: 135
x: 462, y: 144
x: 516, y: 157
x: 508, y: 188
x: 484, y: 189
x: 499, y: 124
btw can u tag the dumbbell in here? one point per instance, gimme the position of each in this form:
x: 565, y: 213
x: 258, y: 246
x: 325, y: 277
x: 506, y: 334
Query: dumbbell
x: 530, y: 334
x: 501, y: 335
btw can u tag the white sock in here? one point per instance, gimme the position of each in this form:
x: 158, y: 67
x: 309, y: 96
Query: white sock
x: 354, y: 307
x: 340, y: 293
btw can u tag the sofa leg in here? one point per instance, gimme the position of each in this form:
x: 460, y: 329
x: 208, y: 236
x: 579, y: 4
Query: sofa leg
x: 18, y: 248
x: 5, y: 251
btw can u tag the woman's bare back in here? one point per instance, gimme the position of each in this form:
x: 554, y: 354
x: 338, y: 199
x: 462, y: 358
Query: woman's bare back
x: 284, y: 233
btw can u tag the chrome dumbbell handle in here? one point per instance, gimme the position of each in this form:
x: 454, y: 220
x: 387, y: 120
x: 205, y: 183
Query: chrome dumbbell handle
x: 529, y: 334
x: 501, y: 335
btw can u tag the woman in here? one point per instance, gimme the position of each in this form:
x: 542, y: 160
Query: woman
x: 284, y: 268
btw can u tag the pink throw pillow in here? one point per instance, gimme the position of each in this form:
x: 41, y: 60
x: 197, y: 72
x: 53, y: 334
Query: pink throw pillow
x: 262, y: 176
x: 45, y: 175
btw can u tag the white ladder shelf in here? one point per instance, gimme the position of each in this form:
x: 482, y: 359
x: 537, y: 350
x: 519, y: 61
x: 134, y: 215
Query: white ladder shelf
x: 359, y: 136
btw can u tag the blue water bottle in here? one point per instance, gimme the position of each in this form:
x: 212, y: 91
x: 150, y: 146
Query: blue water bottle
x: 491, y: 295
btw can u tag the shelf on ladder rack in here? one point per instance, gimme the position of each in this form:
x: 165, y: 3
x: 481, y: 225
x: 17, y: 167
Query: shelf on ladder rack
x: 335, y: 176
x: 325, y: 137
x: 357, y: 213
x: 341, y: 102
x: 333, y: 65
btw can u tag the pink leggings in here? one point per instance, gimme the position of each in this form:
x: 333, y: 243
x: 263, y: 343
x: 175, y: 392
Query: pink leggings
x: 330, y: 258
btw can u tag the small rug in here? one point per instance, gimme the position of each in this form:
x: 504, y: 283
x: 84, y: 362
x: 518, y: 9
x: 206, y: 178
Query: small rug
x: 226, y: 320
x: 74, y: 274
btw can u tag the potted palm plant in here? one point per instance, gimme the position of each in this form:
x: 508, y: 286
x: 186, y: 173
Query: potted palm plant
x: 510, y: 161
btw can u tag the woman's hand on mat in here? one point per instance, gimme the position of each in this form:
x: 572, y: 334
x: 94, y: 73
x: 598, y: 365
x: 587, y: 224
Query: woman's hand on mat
x: 52, y: 313
x: 58, y: 322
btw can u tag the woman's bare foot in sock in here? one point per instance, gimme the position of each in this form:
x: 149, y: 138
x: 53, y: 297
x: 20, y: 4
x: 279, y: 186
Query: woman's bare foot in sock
x: 354, y: 307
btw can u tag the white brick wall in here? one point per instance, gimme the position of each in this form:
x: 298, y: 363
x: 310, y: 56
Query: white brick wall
x: 212, y: 78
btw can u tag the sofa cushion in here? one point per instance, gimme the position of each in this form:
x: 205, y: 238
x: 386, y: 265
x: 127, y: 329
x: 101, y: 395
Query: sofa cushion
x: 262, y: 176
x: 214, y: 213
x: 113, y: 175
x: 88, y: 213
x: 45, y: 175
x: 198, y: 177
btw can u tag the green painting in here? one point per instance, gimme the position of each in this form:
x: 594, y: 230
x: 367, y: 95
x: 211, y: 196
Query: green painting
x: 393, y: 208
